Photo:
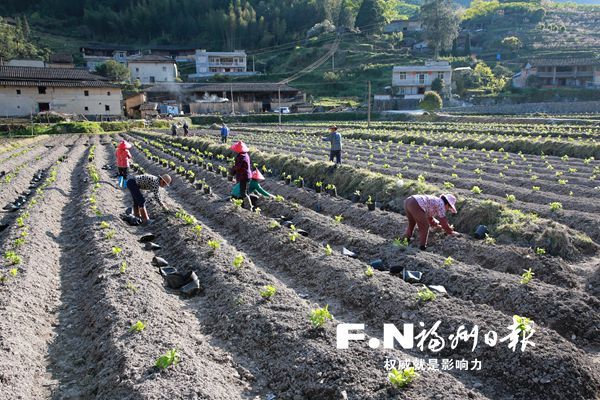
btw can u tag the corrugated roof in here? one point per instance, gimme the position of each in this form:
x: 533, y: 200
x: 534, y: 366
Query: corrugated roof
x: 78, y: 84
x: 50, y: 74
x: 150, y: 58
x: 221, y: 87
x: 564, y: 62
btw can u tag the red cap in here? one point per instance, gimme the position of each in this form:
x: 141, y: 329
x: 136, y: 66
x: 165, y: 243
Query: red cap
x: 124, y: 145
x: 257, y: 176
x: 239, y: 147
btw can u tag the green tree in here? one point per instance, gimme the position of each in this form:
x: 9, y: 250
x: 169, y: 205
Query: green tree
x: 371, y: 16
x: 512, y: 43
x: 431, y: 101
x: 438, y: 86
x: 113, y: 70
x: 440, y: 21
x: 483, y: 74
x: 346, y: 18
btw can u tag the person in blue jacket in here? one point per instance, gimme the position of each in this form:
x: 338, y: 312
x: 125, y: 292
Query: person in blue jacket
x: 224, y: 133
x: 335, y: 139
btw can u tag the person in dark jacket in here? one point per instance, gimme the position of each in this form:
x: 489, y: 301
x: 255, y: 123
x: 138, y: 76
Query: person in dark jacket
x: 186, y: 129
x: 242, y: 170
x: 174, y: 129
x: 335, y: 139
x: 224, y: 133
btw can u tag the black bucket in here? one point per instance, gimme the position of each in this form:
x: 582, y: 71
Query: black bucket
x: 481, y: 231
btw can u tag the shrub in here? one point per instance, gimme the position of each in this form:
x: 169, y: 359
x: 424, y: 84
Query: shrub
x: 431, y: 101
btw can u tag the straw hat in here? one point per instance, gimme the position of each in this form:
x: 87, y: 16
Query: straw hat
x: 239, y: 147
x: 451, y: 199
x: 124, y: 145
x: 166, y: 178
x: 257, y: 176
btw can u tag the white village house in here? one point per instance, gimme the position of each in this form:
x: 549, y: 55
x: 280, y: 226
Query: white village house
x: 231, y: 63
x: 152, y: 68
x: 412, y: 81
x: 29, y: 90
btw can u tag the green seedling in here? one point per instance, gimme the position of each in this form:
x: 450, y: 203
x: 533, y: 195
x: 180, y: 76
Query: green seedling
x: 527, y: 276
x: 168, y: 359
x: 293, y: 235
x: 268, y: 292
x: 237, y: 203
x: 13, y: 257
x: 132, y: 287
x: 510, y: 198
x: 448, y: 185
x: 238, y: 261
x: 279, y: 198
x: 19, y: 242
x: 369, y: 271
x: 555, y: 206
x: 123, y: 267
x: 402, y: 243
x: 104, y: 225
x: 400, y: 379
x: 540, y: 251
x: 197, y: 230
x: 535, y: 188
x: 369, y: 201
x: 109, y: 234
x: 489, y: 240
x: 20, y: 222
x: 476, y: 190
x: 319, y: 317
x: 257, y: 210
x: 448, y: 261
x: 328, y: 250
x: 338, y: 219
x: 274, y: 225
x: 214, y: 245
x: 116, y: 250
x: 137, y: 327
x: 425, y: 294
x: 523, y: 324
x: 13, y: 272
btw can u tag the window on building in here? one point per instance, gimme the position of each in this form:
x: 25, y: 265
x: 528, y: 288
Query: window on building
x: 402, y: 75
x: 106, y: 107
x: 43, y: 107
x: 164, y: 68
x: 137, y: 69
x: 440, y: 75
x: 42, y: 89
x: 18, y: 91
x: 402, y: 90
x: 86, y: 93
x: 152, y: 79
x: 86, y: 108
x: 108, y: 93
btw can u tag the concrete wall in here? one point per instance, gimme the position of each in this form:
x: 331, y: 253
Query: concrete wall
x: 529, y: 108
x: 62, y: 100
x: 162, y: 72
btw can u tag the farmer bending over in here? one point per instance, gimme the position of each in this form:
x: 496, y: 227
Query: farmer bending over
x: 421, y: 210
x: 242, y: 170
x: 146, y: 182
x: 253, y: 187
x: 336, y: 144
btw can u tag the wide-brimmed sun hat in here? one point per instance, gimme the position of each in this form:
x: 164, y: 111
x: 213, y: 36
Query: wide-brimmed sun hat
x: 124, y: 145
x: 239, y: 147
x: 257, y: 176
x: 166, y: 179
x: 451, y: 199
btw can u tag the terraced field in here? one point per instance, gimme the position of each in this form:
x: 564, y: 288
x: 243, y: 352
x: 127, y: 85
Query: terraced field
x: 77, y: 281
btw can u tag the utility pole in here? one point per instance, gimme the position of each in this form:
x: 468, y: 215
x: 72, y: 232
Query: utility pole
x: 279, y: 111
x: 232, y: 105
x: 333, y: 62
x: 369, y: 107
x: 253, y: 66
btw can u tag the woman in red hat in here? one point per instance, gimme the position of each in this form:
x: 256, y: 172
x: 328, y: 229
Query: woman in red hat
x: 123, y: 159
x: 242, y: 170
x: 422, y: 211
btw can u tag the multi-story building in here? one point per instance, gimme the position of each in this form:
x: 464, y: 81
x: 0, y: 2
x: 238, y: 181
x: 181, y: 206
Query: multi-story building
x: 413, y: 24
x: 553, y: 72
x: 232, y: 63
x: 412, y: 81
x: 152, y: 68
x: 29, y: 90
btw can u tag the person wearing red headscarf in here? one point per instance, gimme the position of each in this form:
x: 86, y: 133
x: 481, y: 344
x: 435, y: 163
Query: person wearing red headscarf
x: 123, y: 159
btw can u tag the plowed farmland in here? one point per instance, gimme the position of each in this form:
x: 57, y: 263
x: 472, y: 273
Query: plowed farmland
x: 86, y: 314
